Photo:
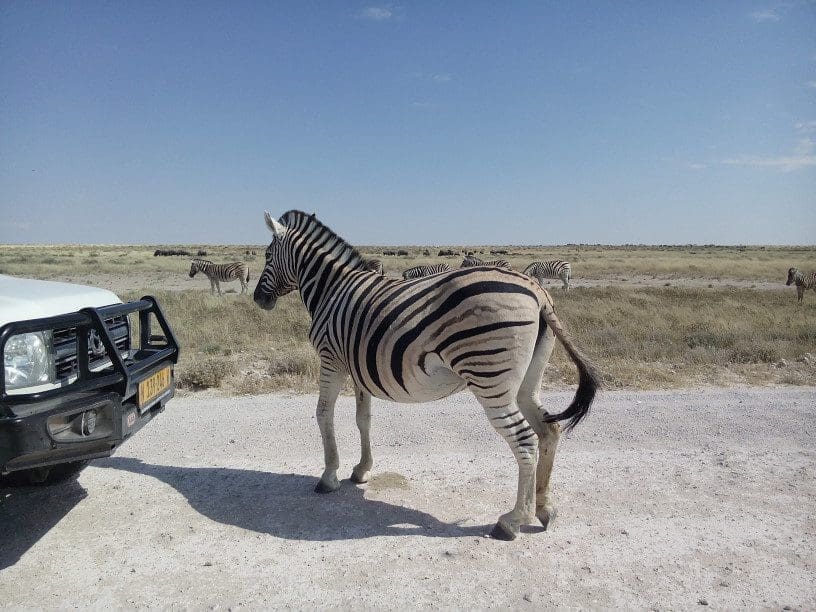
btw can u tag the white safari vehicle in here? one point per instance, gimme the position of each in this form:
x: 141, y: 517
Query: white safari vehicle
x: 82, y: 373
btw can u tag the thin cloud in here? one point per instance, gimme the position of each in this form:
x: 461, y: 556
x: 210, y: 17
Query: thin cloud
x: 377, y: 13
x: 767, y: 15
x: 441, y: 78
x: 811, y: 84
x: 803, y: 157
x: 806, y: 126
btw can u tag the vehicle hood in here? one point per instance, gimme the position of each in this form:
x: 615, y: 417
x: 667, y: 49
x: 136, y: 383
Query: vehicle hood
x: 22, y: 299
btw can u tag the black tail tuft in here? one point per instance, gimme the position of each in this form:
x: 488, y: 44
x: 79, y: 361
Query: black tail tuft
x: 589, y: 381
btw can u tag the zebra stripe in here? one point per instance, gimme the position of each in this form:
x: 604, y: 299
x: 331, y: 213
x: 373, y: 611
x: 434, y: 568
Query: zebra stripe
x: 373, y: 265
x: 220, y: 273
x: 802, y: 281
x: 422, y: 271
x: 486, y: 329
x: 539, y: 270
x: 471, y: 261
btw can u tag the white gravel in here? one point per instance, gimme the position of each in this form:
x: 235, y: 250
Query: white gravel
x: 666, y: 500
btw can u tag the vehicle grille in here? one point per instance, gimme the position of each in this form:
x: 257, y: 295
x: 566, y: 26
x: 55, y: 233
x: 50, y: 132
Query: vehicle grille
x: 65, y: 346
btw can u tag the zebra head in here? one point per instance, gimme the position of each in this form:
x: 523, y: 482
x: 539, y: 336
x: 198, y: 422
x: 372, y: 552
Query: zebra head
x: 792, y: 272
x: 193, y: 268
x: 469, y: 261
x: 278, y: 277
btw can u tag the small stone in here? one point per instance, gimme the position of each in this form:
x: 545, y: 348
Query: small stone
x: 528, y: 597
x: 208, y: 564
x: 702, y: 602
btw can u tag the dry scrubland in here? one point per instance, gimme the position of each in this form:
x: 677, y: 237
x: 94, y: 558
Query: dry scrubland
x: 652, y: 317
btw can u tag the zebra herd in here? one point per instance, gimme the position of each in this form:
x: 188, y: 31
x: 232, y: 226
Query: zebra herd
x: 538, y: 270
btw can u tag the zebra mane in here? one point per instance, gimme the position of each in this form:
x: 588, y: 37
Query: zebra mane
x: 301, y: 220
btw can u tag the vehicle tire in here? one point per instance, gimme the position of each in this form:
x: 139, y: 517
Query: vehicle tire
x: 43, y: 476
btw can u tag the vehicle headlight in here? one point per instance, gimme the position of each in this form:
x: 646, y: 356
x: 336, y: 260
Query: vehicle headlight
x: 27, y: 360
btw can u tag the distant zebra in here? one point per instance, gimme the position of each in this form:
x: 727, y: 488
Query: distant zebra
x: 486, y: 329
x: 422, y: 271
x: 803, y: 281
x: 471, y: 261
x: 374, y: 265
x: 221, y: 273
x: 539, y: 270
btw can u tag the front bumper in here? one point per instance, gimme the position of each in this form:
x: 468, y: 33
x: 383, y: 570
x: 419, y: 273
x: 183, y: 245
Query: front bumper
x: 99, y: 410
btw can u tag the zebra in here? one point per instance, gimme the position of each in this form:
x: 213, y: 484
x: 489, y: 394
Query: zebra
x: 470, y: 261
x: 374, y: 265
x: 421, y: 271
x: 802, y: 281
x: 490, y: 330
x: 539, y: 270
x: 218, y: 273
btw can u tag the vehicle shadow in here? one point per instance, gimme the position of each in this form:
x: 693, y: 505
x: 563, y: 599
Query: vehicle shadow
x: 285, y: 505
x: 28, y: 513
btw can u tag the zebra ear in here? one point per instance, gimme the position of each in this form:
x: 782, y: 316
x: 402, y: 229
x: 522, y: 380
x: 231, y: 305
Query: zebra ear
x: 277, y: 228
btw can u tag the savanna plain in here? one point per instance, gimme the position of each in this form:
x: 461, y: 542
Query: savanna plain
x: 689, y: 486
x: 652, y: 317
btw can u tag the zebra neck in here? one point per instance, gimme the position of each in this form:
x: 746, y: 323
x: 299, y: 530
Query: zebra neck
x: 321, y: 273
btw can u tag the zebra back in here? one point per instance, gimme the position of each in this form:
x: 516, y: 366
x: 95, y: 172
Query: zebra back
x: 471, y: 261
x: 422, y: 271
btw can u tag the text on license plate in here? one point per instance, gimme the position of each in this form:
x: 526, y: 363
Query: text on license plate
x: 150, y: 388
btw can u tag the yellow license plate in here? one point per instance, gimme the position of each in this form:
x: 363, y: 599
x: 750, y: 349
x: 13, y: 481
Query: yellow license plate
x: 151, y: 388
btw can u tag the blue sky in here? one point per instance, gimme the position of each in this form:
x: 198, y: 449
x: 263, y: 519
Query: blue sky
x: 409, y: 123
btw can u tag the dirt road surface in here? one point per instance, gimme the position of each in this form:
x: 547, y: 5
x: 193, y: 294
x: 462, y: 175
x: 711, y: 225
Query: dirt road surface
x: 666, y: 500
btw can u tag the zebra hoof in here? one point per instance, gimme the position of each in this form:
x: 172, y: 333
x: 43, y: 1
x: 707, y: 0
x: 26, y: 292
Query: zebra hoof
x: 322, y: 487
x: 501, y: 532
x: 547, y: 516
x: 361, y: 476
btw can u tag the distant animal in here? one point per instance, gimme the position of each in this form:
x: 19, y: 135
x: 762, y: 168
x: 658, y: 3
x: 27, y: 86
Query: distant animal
x: 802, y: 281
x: 539, y: 270
x: 221, y: 273
x: 486, y: 329
x: 469, y: 261
x: 374, y: 265
x: 422, y: 271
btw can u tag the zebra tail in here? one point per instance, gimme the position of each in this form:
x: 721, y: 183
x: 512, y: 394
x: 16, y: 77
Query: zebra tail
x: 589, y: 378
x: 247, y: 274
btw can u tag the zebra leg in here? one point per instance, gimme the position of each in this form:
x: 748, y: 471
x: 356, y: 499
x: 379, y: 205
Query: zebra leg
x: 362, y: 471
x: 212, y: 287
x: 548, y: 433
x: 800, y: 293
x: 523, y: 441
x: 218, y: 286
x: 565, y: 279
x: 331, y: 382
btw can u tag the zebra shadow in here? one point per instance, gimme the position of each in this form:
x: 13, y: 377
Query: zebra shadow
x: 285, y: 505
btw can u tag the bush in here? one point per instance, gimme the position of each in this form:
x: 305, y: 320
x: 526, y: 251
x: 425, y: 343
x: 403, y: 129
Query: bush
x: 205, y: 373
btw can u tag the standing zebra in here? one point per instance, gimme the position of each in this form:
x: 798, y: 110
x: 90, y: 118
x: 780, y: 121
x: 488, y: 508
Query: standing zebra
x: 218, y: 273
x: 486, y: 329
x: 422, y: 271
x: 470, y: 261
x: 374, y: 265
x: 803, y: 281
x: 539, y: 270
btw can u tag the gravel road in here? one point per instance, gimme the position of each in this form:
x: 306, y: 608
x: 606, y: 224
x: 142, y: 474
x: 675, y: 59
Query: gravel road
x: 666, y: 500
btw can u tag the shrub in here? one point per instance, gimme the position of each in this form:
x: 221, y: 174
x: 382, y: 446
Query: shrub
x: 205, y: 373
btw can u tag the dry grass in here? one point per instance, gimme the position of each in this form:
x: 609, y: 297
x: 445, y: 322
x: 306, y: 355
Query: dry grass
x: 641, y: 338
x: 673, y: 333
